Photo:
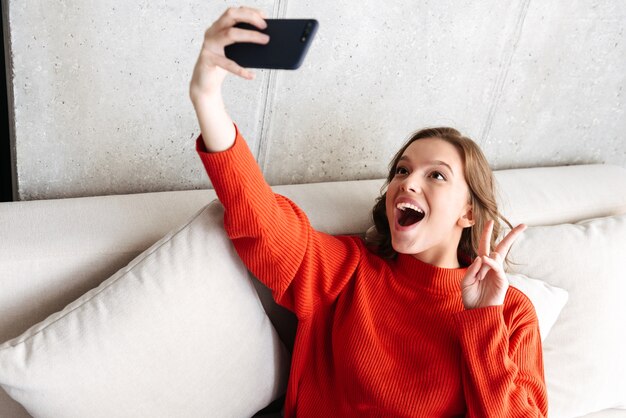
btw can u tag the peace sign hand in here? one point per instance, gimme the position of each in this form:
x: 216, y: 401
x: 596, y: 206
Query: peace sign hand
x: 485, y: 283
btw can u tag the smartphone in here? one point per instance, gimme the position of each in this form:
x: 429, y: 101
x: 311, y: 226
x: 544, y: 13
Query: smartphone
x: 289, y: 42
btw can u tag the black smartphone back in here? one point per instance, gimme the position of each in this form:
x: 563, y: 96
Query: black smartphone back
x: 289, y: 42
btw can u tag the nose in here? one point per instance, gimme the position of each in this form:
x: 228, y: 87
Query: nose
x: 411, y: 183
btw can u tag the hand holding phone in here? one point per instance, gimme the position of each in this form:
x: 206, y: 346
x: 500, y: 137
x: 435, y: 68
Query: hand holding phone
x: 289, y: 42
x: 211, y: 68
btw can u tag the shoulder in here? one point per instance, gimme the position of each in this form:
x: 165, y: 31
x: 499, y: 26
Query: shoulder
x: 369, y: 258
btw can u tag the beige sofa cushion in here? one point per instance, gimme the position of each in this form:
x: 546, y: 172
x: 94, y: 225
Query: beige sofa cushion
x: 555, y: 195
x: 178, y: 332
x: 584, y: 361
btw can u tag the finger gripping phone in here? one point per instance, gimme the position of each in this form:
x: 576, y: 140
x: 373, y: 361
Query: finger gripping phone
x: 289, y: 42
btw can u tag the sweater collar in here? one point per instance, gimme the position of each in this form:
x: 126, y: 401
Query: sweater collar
x: 427, y: 276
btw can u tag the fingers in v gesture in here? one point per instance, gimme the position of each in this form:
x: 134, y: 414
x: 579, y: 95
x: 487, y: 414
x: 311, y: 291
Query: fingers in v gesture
x: 485, y: 282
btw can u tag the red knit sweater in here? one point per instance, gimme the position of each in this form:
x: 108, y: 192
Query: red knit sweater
x: 375, y: 337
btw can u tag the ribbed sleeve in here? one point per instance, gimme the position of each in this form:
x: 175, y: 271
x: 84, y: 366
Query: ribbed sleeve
x: 273, y: 236
x: 502, y: 368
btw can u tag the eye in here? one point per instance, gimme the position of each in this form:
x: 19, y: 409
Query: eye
x: 437, y: 176
x: 401, y: 171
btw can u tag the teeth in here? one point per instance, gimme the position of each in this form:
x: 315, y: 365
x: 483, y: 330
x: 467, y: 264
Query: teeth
x: 404, y: 206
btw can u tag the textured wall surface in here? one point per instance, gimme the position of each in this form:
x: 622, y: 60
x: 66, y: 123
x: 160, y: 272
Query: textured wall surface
x: 101, y: 107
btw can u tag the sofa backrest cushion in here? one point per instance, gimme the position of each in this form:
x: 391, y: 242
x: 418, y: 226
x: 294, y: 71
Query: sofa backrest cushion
x: 53, y: 251
x: 584, y: 353
x: 180, y: 331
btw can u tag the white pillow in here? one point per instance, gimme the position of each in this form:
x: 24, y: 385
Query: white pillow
x: 547, y: 300
x: 178, y: 332
x: 584, y: 354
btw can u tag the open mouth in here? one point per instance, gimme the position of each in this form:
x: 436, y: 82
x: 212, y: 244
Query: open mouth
x: 409, y: 214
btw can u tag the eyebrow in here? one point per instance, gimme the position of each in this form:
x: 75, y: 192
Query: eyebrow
x: 434, y: 162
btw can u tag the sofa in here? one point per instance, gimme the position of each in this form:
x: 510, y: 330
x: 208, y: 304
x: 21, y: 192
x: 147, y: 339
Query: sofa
x: 137, y: 305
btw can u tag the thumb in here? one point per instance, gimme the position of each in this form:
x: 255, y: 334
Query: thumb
x: 472, y: 271
x: 474, y: 268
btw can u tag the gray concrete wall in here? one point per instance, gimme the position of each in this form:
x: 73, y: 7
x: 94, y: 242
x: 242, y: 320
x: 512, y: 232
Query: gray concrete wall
x: 101, y: 105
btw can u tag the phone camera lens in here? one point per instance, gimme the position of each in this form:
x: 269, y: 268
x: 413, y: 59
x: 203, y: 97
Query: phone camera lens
x: 306, y: 33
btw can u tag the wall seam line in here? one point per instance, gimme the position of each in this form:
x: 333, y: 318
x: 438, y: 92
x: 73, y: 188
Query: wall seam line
x: 263, y: 148
x: 505, y: 65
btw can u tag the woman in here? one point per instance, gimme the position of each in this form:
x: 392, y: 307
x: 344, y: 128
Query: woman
x: 402, y: 326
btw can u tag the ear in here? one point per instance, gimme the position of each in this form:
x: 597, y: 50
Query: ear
x: 467, y: 217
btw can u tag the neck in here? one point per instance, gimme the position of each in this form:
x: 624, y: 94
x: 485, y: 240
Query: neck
x: 444, y: 259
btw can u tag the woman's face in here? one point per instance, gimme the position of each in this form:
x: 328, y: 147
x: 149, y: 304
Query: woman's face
x: 428, y: 202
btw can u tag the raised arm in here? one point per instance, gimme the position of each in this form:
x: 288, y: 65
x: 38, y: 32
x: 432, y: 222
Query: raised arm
x: 205, y: 88
x: 302, y: 267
